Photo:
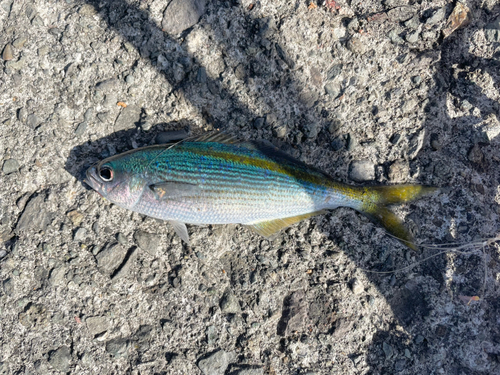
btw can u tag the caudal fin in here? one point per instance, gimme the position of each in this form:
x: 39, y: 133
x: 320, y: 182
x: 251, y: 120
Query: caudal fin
x: 376, y: 200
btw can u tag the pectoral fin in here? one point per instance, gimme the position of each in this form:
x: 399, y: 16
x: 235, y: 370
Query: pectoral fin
x: 181, y: 230
x: 172, y: 189
x: 268, y: 228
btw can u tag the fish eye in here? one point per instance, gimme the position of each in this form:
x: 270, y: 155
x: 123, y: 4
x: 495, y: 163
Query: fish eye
x: 106, y: 174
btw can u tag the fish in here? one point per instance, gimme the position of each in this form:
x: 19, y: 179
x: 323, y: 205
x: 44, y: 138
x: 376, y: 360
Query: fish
x: 216, y: 179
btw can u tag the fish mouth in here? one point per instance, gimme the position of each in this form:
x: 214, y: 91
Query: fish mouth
x: 92, y: 179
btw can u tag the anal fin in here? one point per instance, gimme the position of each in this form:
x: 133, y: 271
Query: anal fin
x: 270, y: 227
x: 181, y: 230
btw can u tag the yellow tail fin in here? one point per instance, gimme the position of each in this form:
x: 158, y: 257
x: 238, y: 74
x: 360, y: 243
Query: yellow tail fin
x: 375, y: 204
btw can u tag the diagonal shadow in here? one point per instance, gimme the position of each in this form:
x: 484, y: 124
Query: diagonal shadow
x: 407, y: 301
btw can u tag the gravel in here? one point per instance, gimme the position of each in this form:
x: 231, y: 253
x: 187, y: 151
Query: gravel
x: 372, y: 93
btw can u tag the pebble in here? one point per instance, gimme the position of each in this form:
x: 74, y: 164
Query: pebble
x: 436, y: 17
x: 435, y: 143
x: 333, y: 89
x: 117, y: 347
x: 401, y: 14
x: 398, y: 171
x: 492, y: 31
x: 395, y: 38
x: 419, y: 339
x: 351, y: 141
x: 229, y: 303
x: 362, y: 170
x: 7, y: 53
x: 280, y: 131
x: 216, y: 363
x: 128, y: 118
x: 109, y: 259
x: 97, y: 324
x: 181, y: 15
x: 10, y: 166
x: 3, y: 253
x: 412, y: 37
x: 294, y: 314
x: 80, y: 234
x: 35, y: 216
x: 60, y: 359
x: 388, y: 351
x: 201, y: 76
x: 76, y: 217
x: 259, y: 122
x: 412, y: 23
x: 400, y: 365
x: 37, y: 21
x: 338, y: 143
x: 147, y: 241
x: 475, y: 154
x: 80, y: 129
x: 415, y: 144
x: 32, y: 121
x: 356, y: 45
x: 334, y: 71
x: 120, y: 237
x: 20, y: 42
x: 357, y: 287
x: 416, y: 79
x: 460, y: 17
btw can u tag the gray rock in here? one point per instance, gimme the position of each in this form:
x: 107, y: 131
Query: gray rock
x: 294, y: 314
x: 280, y: 131
x: 32, y: 121
x: 80, y: 129
x: 334, y: 71
x: 128, y: 118
x: 148, y: 241
x: 415, y: 144
x: 333, y: 89
x: 259, y: 122
x: 10, y: 166
x: 216, y: 363
x: 117, y: 347
x: 3, y: 253
x: 109, y: 259
x: 108, y: 85
x: 400, y: 365
x: 201, y: 76
x: 60, y: 359
x: 401, y: 14
x: 37, y: 21
x: 412, y: 37
x: 412, y: 23
x: 182, y: 14
x: 35, y: 216
x: 398, y: 171
x: 395, y: 38
x: 338, y: 143
x: 7, y: 53
x: 356, y: 45
x: 97, y: 324
x: 436, y: 17
x: 362, y: 170
x: 22, y: 114
x: 229, y: 303
x: 20, y: 41
x: 492, y: 31
x: 388, y: 351
x: 80, y: 234
x: 8, y: 287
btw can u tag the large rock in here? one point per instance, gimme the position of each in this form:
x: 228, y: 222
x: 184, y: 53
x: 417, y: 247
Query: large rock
x: 182, y: 14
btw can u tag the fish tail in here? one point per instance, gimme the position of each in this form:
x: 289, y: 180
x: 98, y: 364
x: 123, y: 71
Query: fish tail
x: 376, y: 199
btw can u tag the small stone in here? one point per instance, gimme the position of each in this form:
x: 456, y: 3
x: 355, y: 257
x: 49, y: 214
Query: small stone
x: 436, y: 17
x: 60, y: 359
x: 395, y: 38
x: 356, y: 45
x: 338, y: 143
x: 3, y: 254
x: 80, y: 234
x: 333, y: 89
x: 7, y: 53
x: 128, y: 118
x: 10, y: 166
x: 80, y: 129
x: 117, y: 347
x: 351, y: 141
x: 401, y: 14
x: 419, y: 339
x: 362, y: 170
x: 109, y: 259
x: 388, y: 351
x: 87, y: 10
x: 398, y: 171
x: 460, y: 17
x: 148, y: 241
x: 435, y: 143
x: 412, y: 23
x: 357, y: 287
x: 76, y: 217
x: 407, y: 353
x: 216, y: 363
x: 475, y: 154
x: 201, y: 76
x: 259, y: 122
x: 42, y: 51
x: 240, y: 72
x: 229, y: 303
x: 35, y: 216
x: 280, y: 131
x: 20, y: 42
x: 400, y: 365
x: 415, y: 144
x: 130, y: 79
x: 97, y: 324
x: 181, y: 15
x: 32, y: 121
x: 37, y: 21
x: 108, y: 86
x: 316, y: 78
x: 334, y: 72
x: 412, y: 37
x: 416, y: 79
x: 294, y: 314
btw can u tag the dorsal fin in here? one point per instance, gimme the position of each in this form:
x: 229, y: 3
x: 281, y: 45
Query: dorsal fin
x: 215, y: 136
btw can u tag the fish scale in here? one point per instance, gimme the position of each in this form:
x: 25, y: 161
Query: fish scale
x: 220, y: 182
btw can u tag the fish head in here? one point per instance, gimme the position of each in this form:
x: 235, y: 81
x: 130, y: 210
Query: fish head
x: 117, y: 183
